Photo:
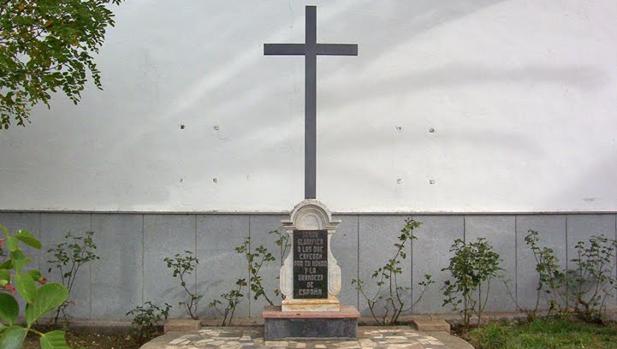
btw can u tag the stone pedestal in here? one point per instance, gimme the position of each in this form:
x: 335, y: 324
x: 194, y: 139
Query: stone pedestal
x: 341, y: 324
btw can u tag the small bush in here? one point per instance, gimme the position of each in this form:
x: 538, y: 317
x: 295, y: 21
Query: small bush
x: 146, y: 321
x: 472, y: 267
x: 183, y: 265
x: 551, y: 277
x: 584, y: 288
x: 282, y: 241
x: 592, y: 280
x: 390, y: 294
x: 255, y: 259
x: 230, y: 299
x: 69, y: 257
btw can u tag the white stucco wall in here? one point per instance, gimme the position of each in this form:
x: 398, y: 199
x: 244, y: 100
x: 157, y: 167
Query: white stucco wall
x: 521, y: 94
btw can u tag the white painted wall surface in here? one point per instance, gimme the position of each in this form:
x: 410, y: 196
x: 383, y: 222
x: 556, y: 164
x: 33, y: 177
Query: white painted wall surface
x: 522, y: 95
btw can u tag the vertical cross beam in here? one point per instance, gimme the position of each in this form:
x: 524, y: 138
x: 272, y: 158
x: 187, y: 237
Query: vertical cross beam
x: 310, y: 50
x: 310, y: 104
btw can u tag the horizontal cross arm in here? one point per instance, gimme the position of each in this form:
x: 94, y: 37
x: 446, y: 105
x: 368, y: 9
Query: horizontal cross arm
x: 337, y: 49
x: 284, y: 49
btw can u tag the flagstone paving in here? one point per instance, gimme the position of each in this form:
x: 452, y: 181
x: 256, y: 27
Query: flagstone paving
x: 252, y: 338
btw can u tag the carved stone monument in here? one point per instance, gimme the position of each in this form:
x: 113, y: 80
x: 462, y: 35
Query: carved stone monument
x: 310, y: 281
x: 310, y: 276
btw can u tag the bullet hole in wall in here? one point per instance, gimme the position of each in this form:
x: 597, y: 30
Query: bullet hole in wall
x: 215, y: 180
x: 182, y: 127
x: 431, y: 130
x: 216, y: 127
x: 181, y: 180
x: 399, y: 181
x: 431, y: 181
x: 398, y: 128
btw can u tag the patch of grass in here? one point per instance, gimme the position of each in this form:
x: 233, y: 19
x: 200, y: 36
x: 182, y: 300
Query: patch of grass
x: 558, y: 333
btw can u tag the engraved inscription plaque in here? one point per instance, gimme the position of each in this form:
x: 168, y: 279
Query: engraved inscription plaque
x: 310, y: 263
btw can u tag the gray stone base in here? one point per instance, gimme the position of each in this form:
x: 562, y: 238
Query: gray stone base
x: 310, y: 329
x: 341, y: 324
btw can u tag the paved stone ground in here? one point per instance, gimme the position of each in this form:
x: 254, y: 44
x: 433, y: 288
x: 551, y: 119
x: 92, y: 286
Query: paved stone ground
x: 252, y: 338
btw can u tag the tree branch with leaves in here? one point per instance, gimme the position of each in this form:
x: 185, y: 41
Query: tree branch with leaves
x: 48, y: 46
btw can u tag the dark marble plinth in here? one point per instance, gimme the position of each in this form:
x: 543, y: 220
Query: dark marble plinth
x: 341, y: 324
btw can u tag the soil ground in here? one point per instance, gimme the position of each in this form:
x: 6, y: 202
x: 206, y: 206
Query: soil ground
x: 92, y: 338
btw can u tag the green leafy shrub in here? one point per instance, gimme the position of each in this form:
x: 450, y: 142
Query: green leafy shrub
x: 40, y: 299
x: 282, y: 241
x: 230, y: 299
x: 68, y: 259
x: 472, y: 267
x: 592, y: 280
x: 181, y: 266
x: 585, y: 287
x: 551, y: 277
x: 390, y: 294
x: 255, y: 260
x: 147, y: 320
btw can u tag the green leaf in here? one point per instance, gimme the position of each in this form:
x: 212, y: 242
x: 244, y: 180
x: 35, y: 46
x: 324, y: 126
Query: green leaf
x: 25, y: 286
x: 9, y: 309
x: 54, y: 340
x: 13, y: 337
x: 35, y: 274
x: 27, y: 238
x: 12, y: 243
x: 19, y: 260
x: 7, y: 265
x: 5, y: 277
x: 48, y: 297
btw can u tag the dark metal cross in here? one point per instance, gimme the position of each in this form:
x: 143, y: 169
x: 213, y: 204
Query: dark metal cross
x: 310, y: 50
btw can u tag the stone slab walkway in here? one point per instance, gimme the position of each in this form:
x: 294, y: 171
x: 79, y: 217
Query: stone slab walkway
x: 252, y: 338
